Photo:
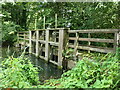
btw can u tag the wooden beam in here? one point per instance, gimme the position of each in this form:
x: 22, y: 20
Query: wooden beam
x: 76, y: 46
x: 30, y: 42
x: 60, y: 47
x: 47, y: 46
x: 97, y: 49
x: 116, y: 40
x: 95, y: 31
x: 93, y: 39
x: 54, y: 43
x: 37, y: 44
x: 42, y: 41
x: 89, y: 36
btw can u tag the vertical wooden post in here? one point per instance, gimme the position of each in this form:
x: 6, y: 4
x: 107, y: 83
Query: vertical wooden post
x: 55, y: 20
x: 76, y: 46
x: 89, y: 36
x: 44, y: 23
x: 60, y: 47
x: 17, y: 39
x: 24, y: 38
x: 30, y: 42
x: 35, y: 24
x: 47, y: 46
x: 116, y: 39
x: 37, y: 43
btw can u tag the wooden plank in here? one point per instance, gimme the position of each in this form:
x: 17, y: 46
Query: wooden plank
x: 89, y: 36
x: 97, y: 49
x: 47, y: 46
x: 75, y: 46
x: 42, y: 41
x: 30, y: 42
x: 53, y: 62
x: 94, y: 39
x: 60, y: 47
x: 95, y: 31
x: 23, y: 35
x: 54, y: 43
x: 23, y: 32
x: 34, y: 40
x: 37, y: 47
x: 116, y: 40
x: 42, y: 57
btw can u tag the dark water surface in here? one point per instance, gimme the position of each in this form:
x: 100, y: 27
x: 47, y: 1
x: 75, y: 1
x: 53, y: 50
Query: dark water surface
x: 48, y: 70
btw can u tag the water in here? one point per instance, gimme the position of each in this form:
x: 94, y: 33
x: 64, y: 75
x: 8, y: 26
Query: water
x: 48, y: 70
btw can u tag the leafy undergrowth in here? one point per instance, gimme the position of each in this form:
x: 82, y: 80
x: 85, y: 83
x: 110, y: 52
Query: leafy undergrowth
x: 18, y: 73
x: 89, y: 74
x: 102, y: 73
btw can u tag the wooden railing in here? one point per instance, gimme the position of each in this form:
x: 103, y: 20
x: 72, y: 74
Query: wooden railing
x: 49, y: 44
x: 77, y: 39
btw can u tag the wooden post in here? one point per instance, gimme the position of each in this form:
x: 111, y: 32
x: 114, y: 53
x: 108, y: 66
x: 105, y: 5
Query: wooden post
x: 89, y: 36
x: 60, y: 47
x: 47, y: 46
x: 37, y: 43
x: 18, y: 39
x: 24, y: 38
x: 116, y: 39
x: 35, y: 24
x: 76, y: 46
x: 44, y: 23
x: 30, y: 42
x: 55, y: 20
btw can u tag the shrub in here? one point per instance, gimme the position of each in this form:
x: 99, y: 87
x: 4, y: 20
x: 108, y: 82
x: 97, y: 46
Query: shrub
x: 19, y: 73
x: 102, y: 73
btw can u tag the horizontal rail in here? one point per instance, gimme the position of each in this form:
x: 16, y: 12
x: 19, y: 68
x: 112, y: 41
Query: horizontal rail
x: 23, y: 32
x: 54, y: 62
x: 50, y: 29
x: 54, y: 43
x: 93, y: 39
x: 97, y: 49
x: 42, y: 41
x: 95, y: 31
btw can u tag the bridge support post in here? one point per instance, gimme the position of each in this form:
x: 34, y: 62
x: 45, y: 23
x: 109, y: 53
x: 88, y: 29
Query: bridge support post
x: 62, y: 46
x: 37, y: 43
x: 116, y: 39
x: 47, y: 46
x: 30, y: 42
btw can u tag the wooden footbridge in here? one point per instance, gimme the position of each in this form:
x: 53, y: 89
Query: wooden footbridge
x: 49, y: 44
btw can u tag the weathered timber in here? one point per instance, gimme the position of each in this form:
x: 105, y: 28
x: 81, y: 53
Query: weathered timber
x: 39, y: 46
x: 116, y: 40
x: 37, y: 43
x: 60, y: 47
x: 76, y: 46
x: 89, y: 36
x: 95, y: 31
x: 93, y: 39
x: 47, y: 46
x: 54, y: 43
x: 30, y: 42
x: 93, y: 48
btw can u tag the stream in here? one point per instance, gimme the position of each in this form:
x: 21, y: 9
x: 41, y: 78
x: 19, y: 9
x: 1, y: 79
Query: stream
x: 48, y: 70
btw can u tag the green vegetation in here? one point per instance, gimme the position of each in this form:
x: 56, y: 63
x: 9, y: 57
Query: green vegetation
x: 90, y: 74
x: 18, y: 73
x: 93, y: 71
x: 100, y: 73
x: 74, y: 15
x: 9, y: 32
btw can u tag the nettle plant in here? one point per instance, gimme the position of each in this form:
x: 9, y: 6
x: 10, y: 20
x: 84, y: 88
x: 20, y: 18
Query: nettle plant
x: 102, y: 73
x: 18, y: 73
x: 68, y: 54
